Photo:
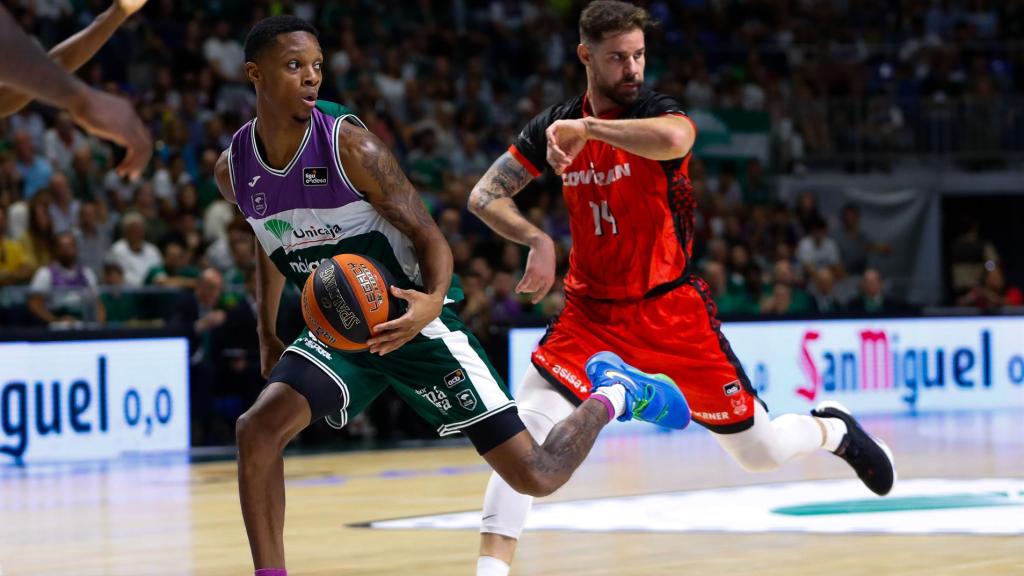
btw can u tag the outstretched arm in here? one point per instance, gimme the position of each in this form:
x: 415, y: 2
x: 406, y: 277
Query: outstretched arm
x: 491, y: 201
x: 662, y: 138
x: 76, y: 50
x: 374, y: 171
x: 26, y: 68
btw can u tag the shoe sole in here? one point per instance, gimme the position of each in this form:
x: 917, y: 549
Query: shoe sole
x: 881, y: 443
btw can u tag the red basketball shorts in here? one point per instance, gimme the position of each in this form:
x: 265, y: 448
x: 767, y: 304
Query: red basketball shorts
x: 675, y: 334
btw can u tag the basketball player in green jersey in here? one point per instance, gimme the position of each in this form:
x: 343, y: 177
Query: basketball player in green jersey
x: 313, y: 184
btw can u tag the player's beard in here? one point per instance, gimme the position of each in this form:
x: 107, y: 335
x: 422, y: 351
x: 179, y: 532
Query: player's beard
x: 618, y: 93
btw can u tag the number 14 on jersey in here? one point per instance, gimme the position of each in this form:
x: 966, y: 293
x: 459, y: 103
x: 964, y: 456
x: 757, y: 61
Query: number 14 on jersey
x: 603, y: 214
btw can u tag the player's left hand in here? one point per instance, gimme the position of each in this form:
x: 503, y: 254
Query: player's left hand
x: 565, y: 140
x: 391, y: 336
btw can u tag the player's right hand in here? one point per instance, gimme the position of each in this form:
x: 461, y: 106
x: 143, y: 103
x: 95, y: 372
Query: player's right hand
x: 271, y: 349
x: 540, y: 269
x: 114, y: 119
x: 565, y: 141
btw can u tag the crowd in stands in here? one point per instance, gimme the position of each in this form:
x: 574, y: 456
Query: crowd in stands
x: 447, y: 85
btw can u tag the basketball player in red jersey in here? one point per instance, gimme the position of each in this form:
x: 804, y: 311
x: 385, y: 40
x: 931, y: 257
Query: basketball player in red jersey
x: 622, y: 152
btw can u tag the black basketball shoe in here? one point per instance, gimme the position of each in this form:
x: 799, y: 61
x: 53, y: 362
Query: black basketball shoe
x: 867, y: 455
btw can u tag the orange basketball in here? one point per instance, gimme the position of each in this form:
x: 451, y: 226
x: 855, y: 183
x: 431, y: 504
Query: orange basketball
x: 344, y: 298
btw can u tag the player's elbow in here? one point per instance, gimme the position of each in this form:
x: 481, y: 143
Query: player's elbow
x: 678, y: 143
x: 677, y: 137
x: 476, y: 201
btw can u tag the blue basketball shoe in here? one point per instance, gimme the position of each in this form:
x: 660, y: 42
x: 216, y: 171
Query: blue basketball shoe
x: 653, y: 398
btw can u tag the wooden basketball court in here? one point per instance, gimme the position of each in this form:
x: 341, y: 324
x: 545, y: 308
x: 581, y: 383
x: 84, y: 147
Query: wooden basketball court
x: 166, y: 516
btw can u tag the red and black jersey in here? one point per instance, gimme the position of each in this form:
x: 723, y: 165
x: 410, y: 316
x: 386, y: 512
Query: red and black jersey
x: 631, y: 218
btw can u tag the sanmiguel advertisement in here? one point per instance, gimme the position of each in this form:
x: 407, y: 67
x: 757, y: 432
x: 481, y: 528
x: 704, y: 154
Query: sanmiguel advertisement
x: 63, y: 401
x: 873, y: 366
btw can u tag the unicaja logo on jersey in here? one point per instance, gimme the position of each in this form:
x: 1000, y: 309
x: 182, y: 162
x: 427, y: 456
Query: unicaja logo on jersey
x: 603, y: 178
x: 314, y: 233
x: 278, y: 228
x: 290, y: 237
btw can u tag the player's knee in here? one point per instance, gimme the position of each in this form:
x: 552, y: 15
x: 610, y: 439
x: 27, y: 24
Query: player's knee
x: 246, y: 432
x: 759, y: 457
x: 532, y: 482
x: 758, y: 463
x: 253, y: 436
x: 753, y: 454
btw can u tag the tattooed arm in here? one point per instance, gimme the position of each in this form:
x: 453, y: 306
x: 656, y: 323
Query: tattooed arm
x: 491, y: 200
x: 374, y: 171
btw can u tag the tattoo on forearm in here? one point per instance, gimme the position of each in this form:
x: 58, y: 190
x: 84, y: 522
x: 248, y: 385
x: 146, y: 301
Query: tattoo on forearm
x: 570, y: 440
x: 504, y: 179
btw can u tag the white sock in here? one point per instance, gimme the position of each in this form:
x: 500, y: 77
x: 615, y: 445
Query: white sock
x: 616, y: 393
x: 835, y: 431
x: 491, y: 566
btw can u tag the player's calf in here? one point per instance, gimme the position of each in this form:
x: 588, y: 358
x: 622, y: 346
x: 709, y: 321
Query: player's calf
x: 540, y: 469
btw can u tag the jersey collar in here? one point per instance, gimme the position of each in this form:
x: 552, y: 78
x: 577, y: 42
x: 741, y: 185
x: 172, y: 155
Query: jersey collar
x: 609, y: 115
x: 298, y: 152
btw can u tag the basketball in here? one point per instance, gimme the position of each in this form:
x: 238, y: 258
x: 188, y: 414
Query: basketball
x: 344, y: 298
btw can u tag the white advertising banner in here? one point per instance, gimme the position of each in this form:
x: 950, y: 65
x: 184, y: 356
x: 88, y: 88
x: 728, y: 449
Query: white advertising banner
x: 87, y: 400
x: 873, y: 366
